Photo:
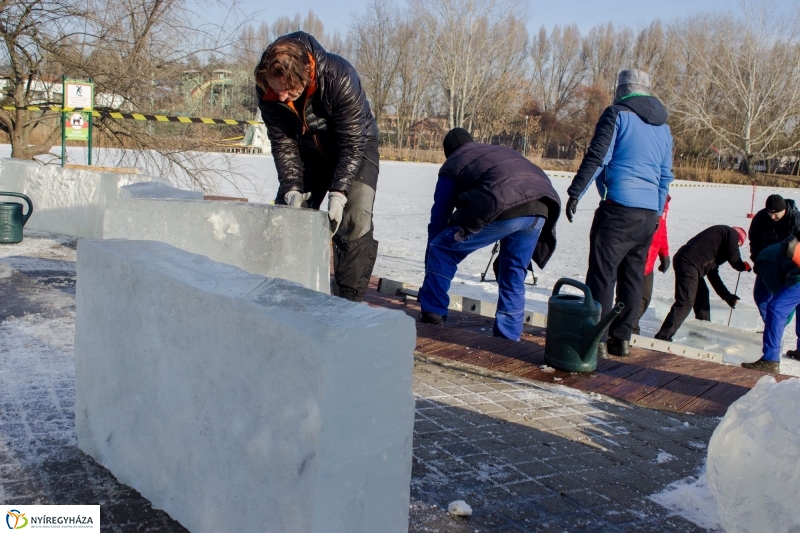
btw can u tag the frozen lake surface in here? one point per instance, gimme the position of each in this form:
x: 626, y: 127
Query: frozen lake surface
x: 402, y: 209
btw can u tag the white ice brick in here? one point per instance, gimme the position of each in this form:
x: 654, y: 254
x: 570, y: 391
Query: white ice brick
x: 271, y: 240
x: 241, y: 403
x: 65, y: 201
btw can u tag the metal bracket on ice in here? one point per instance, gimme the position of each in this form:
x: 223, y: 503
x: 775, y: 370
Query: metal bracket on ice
x: 533, y: 318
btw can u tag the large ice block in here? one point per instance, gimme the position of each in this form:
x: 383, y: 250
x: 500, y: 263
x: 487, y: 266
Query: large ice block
x: 753, y: 464
x: 271, y: 240
x: 65, y: 201
x: 157, y: 189
x: 241, y: 403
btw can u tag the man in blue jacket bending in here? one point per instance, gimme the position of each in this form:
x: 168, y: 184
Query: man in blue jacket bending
x: 486, y: 194
x: 630, y: 159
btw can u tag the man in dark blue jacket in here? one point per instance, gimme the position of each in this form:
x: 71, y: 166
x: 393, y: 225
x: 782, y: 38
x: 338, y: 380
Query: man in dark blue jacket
x: 778, y: 220
x: 484, y: 194
x: 630, y: 159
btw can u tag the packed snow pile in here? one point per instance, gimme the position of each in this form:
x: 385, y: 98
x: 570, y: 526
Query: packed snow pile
x: 753, y: 464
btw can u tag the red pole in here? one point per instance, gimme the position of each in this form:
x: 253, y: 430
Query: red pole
x: 752, y: 202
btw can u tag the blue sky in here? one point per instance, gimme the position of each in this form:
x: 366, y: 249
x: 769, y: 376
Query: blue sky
x: 336, y: 15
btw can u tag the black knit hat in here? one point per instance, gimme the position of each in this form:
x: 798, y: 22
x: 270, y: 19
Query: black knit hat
x: 775, y: 203
x: 455, y: 138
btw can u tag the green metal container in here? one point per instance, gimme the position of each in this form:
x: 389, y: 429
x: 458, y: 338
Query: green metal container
x: 11, y: 218
x: 574, y: 328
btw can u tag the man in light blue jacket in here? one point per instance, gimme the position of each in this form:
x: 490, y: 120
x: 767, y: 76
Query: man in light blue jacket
x: 630, y: 160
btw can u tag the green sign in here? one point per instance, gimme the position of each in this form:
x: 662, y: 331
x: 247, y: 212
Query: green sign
x: 76, y: 126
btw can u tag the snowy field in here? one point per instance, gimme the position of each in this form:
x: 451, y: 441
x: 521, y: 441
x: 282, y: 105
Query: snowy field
x: 402, y: 208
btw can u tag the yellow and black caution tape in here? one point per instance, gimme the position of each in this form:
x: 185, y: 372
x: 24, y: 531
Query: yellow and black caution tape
x: 137, y: 116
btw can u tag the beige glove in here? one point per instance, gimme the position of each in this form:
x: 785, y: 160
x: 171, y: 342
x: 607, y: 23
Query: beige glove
x: 296, y: 198
x: 336, y: 202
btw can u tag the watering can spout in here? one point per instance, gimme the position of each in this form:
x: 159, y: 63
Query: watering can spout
x: 593, y: 337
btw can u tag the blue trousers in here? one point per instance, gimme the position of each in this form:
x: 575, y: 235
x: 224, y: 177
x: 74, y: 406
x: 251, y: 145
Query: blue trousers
x: 518, y: 238
x: 776, y: 311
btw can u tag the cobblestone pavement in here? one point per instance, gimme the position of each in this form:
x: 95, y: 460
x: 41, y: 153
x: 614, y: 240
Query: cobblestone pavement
x: 526, y: 456
x: 532, y: 457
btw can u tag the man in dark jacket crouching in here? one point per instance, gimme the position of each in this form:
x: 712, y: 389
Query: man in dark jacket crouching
x: 701, y: 257
x: 486, y: 194
x: 324, y: 141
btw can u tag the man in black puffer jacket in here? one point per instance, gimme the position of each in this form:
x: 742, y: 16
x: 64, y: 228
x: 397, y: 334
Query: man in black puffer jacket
x: 484, y: 194
x: 778, y: 220
x: 324, y: 141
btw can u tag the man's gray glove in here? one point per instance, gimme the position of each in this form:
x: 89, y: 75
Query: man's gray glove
x: 336, y: 201
x: 572, y: 206
x: 296, y: 198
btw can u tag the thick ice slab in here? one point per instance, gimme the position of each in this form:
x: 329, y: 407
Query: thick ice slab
x: 65, y: 201
x: 753, y: 469
x: 274, y: 241
x: 156, y: 189
x: 241, y: 403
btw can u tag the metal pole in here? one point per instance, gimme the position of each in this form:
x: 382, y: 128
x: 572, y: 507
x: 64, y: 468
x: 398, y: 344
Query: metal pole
x: 91, y: 126
x: 734, y: 293
x: 63, y: 120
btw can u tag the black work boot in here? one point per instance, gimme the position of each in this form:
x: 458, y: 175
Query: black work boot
x: 602, y: 350
x: 793, y: 354
x: 426, y: 317
x: 618, y: 347
x: 770, y: 367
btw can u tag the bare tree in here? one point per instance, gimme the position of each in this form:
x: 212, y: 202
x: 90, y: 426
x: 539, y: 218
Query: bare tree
x: 414, y: 81
x: 30, y: 30
x: 558, y: 66
x: 377, y: 53
x: 607, y: 51
x: 473, y: 44
x: 740, y: 81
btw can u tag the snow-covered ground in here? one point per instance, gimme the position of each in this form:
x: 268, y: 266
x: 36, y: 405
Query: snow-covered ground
x: 402, y: 208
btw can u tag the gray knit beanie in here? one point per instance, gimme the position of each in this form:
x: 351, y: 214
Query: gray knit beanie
x: 632, y: 81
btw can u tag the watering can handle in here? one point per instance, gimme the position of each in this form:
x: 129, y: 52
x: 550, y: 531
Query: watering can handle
x: 27, y: 200
x: 588, y: 301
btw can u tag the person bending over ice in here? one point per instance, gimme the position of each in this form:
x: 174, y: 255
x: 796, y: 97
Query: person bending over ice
x: 324, y: 141
x: 701, y: 257
x: 487, y: 193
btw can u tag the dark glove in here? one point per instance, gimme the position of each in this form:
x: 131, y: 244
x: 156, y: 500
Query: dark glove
x: 731, y: 300
x: 747, y: 267
x: 664, y: 264
x: 572, y: 206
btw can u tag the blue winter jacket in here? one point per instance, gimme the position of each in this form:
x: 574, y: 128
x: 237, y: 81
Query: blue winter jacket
x: 775, y: 267
x: 630, y: 155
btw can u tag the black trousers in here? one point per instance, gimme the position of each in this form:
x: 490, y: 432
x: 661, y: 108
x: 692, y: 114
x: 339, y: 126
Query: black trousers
x: 618, y: 244
x: 647, y: 296
x: 354, y: 248
x: 691, y: 293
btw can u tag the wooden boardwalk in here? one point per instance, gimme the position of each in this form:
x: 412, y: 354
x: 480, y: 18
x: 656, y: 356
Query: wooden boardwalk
x: 646, y: 378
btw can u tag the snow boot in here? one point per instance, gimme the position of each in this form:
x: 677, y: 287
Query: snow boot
x: 602, y: 350
x: 619, y: 347
x: 771, y: 367
x: 426, y: 317
x: 793, y: 354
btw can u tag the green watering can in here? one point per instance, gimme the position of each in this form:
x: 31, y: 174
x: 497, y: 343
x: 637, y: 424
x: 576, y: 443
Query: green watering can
x: 574, y: 328
x: 11, y: 218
